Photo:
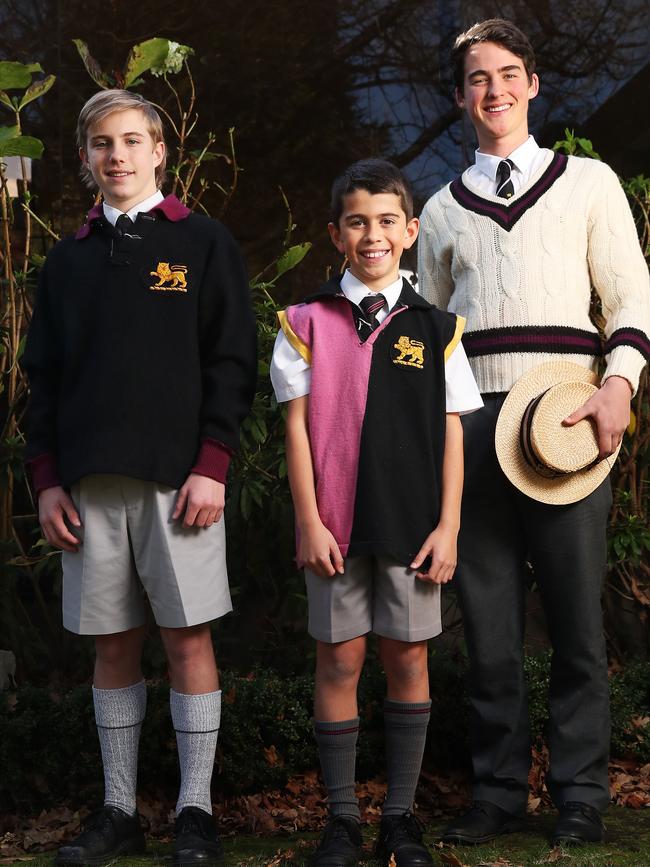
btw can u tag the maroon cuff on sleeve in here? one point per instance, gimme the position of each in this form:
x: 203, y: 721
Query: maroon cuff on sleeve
x: 44, y: 472
x: 213, y: 460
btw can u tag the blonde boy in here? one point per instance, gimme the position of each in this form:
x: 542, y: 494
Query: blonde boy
x: 141, y: 359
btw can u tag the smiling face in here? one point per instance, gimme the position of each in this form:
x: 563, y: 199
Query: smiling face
x: 372, y: 232
x: 496, y: 92
x: 122, y: 158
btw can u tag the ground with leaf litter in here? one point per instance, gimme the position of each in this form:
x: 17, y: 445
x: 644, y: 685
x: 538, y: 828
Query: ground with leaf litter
x: 281, y: 827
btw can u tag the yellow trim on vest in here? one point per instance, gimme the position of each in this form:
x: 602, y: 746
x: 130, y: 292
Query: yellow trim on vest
x: 458, y: 333
x: 293, y: 338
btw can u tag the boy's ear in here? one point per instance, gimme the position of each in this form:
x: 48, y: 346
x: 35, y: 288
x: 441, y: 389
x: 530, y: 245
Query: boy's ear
x: 411, y: 232
x: 460, y: 98
x: 335, y: 235
x: 83, y: 156
x: 533, y: 87
x: 158, y: 152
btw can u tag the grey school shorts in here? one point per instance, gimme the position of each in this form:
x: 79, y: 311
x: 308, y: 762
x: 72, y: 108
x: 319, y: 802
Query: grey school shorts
x: 374, y: 594
x: 130, y: 546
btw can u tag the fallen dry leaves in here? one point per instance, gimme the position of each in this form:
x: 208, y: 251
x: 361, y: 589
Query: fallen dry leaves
x: 301, y: 806
x: 629, y: 784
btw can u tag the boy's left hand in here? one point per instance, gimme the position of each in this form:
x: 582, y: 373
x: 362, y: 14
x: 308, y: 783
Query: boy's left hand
x: 202, y: 499
x: 441, y: 545
x: 609, y: 407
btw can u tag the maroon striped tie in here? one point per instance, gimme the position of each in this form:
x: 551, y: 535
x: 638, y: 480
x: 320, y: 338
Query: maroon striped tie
x: 367, y: 322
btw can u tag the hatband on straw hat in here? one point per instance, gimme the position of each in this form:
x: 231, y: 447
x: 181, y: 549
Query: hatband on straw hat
x: 546, y: 460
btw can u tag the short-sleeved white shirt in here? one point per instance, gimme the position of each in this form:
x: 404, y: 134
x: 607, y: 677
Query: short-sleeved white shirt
x: 291, y: 374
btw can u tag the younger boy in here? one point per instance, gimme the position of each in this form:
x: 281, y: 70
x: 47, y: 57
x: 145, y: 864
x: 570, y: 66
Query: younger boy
x: 375, y: 378
x: 141, y: 359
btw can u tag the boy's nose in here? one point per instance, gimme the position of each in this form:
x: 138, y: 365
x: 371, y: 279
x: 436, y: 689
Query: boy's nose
x: 494, y: 87
x: 373, y: 232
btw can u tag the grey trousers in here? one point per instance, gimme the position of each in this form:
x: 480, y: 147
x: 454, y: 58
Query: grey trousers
x: 501, y: 528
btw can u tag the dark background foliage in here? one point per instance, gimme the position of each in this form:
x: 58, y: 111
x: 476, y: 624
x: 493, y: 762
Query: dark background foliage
x: 307, y: 87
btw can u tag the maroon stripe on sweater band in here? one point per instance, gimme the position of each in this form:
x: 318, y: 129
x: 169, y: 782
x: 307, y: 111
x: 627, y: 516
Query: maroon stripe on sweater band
x: 630, y: 337
x: 523, y: 338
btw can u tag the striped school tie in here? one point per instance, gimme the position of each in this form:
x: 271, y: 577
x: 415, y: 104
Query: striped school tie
x: 367, y: 322
x: 505, y: 187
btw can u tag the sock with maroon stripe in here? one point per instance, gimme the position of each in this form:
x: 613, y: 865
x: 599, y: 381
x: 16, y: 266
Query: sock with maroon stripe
x: 337, y: 748
x: 405, y: 726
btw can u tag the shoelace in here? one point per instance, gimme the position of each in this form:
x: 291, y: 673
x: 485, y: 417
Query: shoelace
x: 189, y: 823
x: 407, y: 827
x: 96, y: 821
x: 338, y: 827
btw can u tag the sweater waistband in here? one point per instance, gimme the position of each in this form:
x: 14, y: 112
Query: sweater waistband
x: 524, y: 338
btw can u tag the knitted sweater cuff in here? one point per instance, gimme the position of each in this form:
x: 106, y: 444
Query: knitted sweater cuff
x: 44, y: 472
x: 213, y: 460
x: 627, y: 362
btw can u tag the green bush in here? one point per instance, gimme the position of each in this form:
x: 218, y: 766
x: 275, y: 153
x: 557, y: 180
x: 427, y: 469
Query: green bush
x: 49, y: 751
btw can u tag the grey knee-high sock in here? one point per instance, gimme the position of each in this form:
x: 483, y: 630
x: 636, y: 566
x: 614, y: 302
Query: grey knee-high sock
x: 337, y: 748
x: 196, y: 720
x: 405, y: 725
x: 119, y: 714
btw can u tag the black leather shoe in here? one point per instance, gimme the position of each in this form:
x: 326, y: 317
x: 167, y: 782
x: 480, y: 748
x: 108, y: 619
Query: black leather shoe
x: 481, y: 823
x: 196, y: 841
x: 339, y: 845
x: 577, y: 824
x: 106, y: 834
x: 400, y: 838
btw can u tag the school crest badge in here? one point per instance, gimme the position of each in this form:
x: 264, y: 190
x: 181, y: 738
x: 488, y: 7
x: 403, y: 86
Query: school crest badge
x: 409, y: 352
x: 171, y: 278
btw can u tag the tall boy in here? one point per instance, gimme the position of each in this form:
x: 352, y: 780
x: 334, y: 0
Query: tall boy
x: 514, y: 245
x: 141, y: 359
x: 375, y: 378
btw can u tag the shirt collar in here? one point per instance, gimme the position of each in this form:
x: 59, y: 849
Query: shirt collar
x: 169, y: 206
x: 354, y: 290
x: 147, y: 204
x: 522, y: 158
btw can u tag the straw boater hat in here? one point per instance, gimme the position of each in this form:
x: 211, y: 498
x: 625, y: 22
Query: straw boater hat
x: 546, y: 460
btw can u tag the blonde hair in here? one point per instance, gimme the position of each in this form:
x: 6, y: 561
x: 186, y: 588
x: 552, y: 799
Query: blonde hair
x: 107, y: 102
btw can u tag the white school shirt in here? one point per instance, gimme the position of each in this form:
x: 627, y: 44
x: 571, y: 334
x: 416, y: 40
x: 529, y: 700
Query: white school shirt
x: 112, y: 213
x: 527, y: 160
x: 291, y: 375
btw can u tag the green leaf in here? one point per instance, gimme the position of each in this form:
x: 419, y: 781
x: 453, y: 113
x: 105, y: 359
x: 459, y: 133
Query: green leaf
x: 22, y: 146
x: 7, y: 132
x: 5, y: 99
x: 291, y: 257
x: 93, y: 68
x: 142, y: 57
x: 14, y: 76
x: 38, y: 88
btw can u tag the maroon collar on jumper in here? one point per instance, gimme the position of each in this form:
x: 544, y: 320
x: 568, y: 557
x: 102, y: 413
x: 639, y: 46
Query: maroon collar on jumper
x: 170, y: 207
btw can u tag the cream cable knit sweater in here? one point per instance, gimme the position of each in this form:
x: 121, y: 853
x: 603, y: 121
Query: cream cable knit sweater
x: 521, y: 273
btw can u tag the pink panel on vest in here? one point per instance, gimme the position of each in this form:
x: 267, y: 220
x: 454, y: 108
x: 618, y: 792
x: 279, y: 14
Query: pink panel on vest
x: 337, y: 406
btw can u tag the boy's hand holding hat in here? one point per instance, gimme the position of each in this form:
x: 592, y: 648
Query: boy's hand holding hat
x: 543, y: 456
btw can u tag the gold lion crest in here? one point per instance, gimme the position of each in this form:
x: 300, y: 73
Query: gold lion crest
x: 170, y: 278
x: 413, y: 350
